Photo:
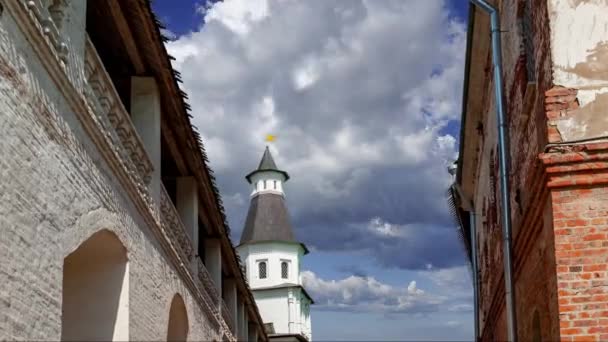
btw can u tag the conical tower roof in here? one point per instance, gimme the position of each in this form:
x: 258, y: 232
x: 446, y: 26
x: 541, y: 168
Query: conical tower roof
x: 266, y: 164
x: 268, y: 218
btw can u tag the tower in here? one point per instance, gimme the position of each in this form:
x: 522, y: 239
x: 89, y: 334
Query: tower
x: 272, y: 255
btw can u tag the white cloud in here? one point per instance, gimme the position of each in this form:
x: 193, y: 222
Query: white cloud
x: 366, y: 294
x: 463, y: 307
x: 238, y: 15
x: 453, y: 324
x: 306, y: 75
x: 358, y: 92
x: 453, y: 278
x: 377, y: 226
x: 454, y: 282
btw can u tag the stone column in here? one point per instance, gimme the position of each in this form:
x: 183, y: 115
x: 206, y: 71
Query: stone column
x: 245, y: 324
x: 213, y: 262
x: 241, y: 319
x: 252, y: 332
x: 230, y: 297
x: 146, y: 116
x: 187, y: 206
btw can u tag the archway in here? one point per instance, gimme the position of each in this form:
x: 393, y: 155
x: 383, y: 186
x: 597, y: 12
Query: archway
x: 96, y: 291
x: 178, y: 320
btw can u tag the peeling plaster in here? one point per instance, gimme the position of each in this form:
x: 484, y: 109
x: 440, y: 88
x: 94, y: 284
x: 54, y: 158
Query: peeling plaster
x: 579, y: 43
x: 589, y: 121
x: 579, y: 48
x: 595, y: 65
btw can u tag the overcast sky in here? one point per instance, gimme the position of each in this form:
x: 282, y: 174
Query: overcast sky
x: 364, y: 98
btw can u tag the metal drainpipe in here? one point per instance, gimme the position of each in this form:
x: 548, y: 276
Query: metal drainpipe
x: 475, y: 270
x: 503, y: 147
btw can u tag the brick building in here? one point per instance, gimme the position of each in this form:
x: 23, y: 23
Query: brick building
x: 555, y: 63
x: 111, y: 225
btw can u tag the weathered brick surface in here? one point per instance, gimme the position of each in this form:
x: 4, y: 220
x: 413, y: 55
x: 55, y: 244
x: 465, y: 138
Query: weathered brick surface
x: 55, y: 192
x: 558, y: 183
x: 581, y: 243
x: 535, y: 282
x: 578, y: 179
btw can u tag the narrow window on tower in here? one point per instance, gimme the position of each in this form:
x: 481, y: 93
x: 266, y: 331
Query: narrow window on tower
x: 275, y: 184
x: 264, y: 184
x: 262, y: 269
x: 284, y: 270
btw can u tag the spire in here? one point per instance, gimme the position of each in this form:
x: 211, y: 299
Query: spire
x: 267, y: 164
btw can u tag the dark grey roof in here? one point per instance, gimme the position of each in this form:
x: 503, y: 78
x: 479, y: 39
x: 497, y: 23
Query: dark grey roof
x: 267, y: 220
x: 267, y: 164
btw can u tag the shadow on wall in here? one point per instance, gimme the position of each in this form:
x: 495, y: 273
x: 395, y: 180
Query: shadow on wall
x: 96, y: 291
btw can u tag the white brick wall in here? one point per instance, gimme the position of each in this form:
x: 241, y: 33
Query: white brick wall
x: 55, y: 192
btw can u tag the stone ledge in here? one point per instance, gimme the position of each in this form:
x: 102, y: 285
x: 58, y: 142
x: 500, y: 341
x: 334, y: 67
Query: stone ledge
x: 576, y: 165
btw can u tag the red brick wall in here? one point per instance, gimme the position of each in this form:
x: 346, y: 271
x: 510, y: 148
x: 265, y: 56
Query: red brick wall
x: 578, y: 177
x: 581, y: 249
x: 536, y: 284
x: 559, y: 201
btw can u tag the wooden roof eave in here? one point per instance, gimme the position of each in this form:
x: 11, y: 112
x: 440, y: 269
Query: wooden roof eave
x: 127, y: 36
x: 478, y: 46
x: 147, y: 33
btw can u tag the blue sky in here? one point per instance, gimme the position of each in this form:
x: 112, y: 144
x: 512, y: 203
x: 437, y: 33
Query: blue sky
x: 365, y: 100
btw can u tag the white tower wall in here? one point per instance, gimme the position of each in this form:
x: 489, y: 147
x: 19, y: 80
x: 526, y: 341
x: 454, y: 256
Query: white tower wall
x: 267, y: 182
x: 271, y: 255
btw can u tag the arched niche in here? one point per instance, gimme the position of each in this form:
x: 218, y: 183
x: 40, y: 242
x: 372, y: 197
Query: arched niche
x: 178, y: 320
x: 95, y: 302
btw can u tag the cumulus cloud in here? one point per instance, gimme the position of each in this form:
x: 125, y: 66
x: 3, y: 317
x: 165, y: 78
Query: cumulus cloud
x: 451, y: 292
x: 455, y: 278
x: 456, y: 282
x: 366, y: 294
x: 359, y: 93
x: 453, y: 324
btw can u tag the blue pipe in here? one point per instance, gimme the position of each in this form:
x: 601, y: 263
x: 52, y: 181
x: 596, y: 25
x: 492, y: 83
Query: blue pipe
x: 503, y: 147
x: 475, y: 270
